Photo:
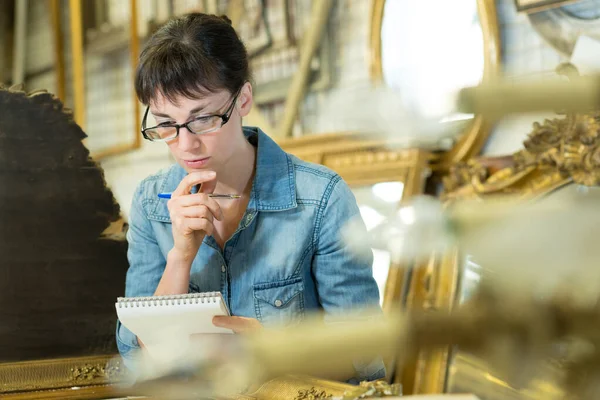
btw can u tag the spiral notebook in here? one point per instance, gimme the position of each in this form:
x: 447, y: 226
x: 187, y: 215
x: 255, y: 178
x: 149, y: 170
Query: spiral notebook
x: 152, y: 319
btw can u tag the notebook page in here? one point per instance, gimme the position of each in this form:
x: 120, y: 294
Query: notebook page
x: 161, y: 324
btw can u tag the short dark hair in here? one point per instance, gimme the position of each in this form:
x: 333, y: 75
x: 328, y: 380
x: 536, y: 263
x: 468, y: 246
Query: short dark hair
x: 195, y: 54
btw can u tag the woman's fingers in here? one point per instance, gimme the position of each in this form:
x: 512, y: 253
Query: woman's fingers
x: 193, y: 200
x: 205, y: 178
x: 190, y: 225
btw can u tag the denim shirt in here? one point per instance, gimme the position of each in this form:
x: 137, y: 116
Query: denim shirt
x: 285, y: 259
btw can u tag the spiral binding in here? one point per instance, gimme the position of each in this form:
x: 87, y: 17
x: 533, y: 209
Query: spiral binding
x: 170, y: 300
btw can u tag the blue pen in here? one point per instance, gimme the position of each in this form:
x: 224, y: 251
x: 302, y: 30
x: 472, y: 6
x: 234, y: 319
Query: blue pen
x: 213, y: 195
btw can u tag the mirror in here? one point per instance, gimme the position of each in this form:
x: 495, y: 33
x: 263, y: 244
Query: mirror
x: 376, y: 203
x: 428, y: 50
x: 469, y: 373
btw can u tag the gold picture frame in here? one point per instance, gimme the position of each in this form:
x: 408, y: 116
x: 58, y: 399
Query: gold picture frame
x: 78, y: 68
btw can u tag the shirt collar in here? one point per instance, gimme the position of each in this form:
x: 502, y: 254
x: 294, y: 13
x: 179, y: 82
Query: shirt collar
x: 274, y: 185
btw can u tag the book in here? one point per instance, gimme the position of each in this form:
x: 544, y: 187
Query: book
x: 157, y: 320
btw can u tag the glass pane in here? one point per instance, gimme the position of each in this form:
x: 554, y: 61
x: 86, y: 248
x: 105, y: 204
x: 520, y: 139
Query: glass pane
x: 430, y: 50
x: 376, y: 203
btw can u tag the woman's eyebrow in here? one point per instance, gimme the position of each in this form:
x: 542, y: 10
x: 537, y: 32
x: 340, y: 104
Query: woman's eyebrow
x: 196, y: 110
x: 192, y: 112
x: 157, y: 114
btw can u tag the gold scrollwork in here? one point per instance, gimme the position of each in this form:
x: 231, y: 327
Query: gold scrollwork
x: 556, y: 151
x: 312, y: 394
x: 373, y: 389
x: 364, y: 390
x: 89, y: 372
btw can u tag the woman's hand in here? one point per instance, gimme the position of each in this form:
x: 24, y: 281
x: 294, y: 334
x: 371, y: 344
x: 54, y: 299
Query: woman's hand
x: 192, y: 214
x: 237, y: 324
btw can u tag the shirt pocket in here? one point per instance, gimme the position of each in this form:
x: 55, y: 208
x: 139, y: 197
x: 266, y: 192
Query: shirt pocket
x: 279, y: 303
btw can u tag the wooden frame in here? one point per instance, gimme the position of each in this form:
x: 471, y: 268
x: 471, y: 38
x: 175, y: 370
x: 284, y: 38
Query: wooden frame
x: 531, y: 6
x: 78, y: 66
x: 561, y: 30
x: 58, y: 49
x: 286, y: 387
x: 471, y: 142
x: 275, y: 90
x: 55, y: 378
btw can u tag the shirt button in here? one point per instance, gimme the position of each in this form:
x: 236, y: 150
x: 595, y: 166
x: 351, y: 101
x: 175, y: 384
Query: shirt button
x: 248, y: 218
x: 278, y: 303
x: 223, y: 269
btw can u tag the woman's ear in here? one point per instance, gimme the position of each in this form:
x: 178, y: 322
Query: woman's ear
x: 245, y: 100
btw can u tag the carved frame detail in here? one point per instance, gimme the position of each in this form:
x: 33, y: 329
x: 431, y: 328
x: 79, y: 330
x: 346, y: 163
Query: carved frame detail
x: 556, y: 153
x: 32, y: 379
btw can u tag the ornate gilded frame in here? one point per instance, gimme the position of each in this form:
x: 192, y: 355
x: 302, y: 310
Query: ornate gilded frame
x: 56, y: 378
x: 361, y: 160
x: 556, y: 153
x: 286, y: 387
x: 471, y: 142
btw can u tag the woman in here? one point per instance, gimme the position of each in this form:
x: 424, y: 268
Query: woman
x: 275, y: 253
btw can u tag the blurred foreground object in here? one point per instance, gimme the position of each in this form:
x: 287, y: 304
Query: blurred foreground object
x: 539, y: 302
x: 503, y: 97
x: 518, y: 333
x: 532, y: 248
x: 383, y: 113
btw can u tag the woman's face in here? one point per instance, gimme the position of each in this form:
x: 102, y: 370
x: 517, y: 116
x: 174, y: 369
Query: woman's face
x: 207, y: 151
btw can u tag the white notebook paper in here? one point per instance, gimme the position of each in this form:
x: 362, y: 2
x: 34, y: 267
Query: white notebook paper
x: 157, y: 320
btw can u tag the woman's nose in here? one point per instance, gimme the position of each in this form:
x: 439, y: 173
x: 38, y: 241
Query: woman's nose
x: 188, y: 140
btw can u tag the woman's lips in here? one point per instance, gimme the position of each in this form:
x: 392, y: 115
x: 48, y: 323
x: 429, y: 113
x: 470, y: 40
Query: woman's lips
x: 197, y: 163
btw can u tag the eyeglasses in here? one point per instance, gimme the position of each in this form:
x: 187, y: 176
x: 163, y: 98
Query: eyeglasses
x: 198, y: 126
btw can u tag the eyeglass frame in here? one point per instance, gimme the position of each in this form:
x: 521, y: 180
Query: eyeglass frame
x: 224, y: 119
